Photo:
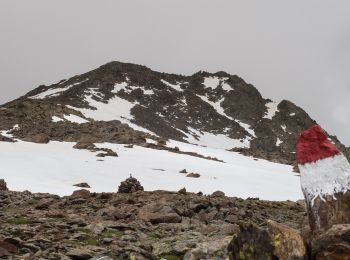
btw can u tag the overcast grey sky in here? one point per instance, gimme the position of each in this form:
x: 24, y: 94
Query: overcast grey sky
x: 297, y: 50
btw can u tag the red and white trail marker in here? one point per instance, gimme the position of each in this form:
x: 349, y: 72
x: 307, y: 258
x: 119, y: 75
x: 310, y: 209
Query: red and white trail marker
x: 325, y: 179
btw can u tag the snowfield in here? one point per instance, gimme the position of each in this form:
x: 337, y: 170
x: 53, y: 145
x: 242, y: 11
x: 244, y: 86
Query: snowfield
x: 56, y: 166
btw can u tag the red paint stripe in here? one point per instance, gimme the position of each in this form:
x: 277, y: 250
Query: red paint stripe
x: 313, y: 145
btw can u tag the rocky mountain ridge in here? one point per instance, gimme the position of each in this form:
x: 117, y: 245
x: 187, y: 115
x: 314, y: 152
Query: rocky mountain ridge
x: 128, y: 103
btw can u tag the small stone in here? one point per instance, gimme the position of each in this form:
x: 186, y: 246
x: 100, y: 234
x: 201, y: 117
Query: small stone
x: 82, y: 185
x: 84, y: 145
x: 85, y: 194
x: 193, y: 175
x: 41, y: 139
x: 183, y: 171
x: 79, y: 254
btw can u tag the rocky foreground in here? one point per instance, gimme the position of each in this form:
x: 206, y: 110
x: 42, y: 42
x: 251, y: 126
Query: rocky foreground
x: 132, y: 224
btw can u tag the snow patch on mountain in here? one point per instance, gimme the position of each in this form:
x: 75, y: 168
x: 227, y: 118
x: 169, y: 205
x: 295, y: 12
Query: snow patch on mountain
x: 218, y: 141
x: 217, y: 106
x: 213, y: 82
x: 53, y: 92
x: 56, y: 119
x: 271, y: 110
x: 119, y: 86
x: 176, y: 87
x: 61, y: 166
x: 75, y: 119
x: 116, y: 109
x: 246, y: 127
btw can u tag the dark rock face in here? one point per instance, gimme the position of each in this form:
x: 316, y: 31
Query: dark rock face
x: 130, y: 185
x: 171, y: 106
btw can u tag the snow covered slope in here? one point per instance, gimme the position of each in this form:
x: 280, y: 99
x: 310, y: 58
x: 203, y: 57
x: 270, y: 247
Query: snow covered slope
x: 56, y: 166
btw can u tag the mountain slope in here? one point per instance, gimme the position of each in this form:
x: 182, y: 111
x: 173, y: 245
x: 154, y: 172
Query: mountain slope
x: 203, y: 108
x: 158, y: 124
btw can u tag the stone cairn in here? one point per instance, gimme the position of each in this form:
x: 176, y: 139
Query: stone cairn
x: 3, y: 185
x: 130, y: 185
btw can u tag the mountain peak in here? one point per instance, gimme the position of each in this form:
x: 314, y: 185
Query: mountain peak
x: 213, y: 109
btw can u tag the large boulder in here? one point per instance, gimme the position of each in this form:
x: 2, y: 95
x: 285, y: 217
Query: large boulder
x: 334, y: 244
x: 274, y: 241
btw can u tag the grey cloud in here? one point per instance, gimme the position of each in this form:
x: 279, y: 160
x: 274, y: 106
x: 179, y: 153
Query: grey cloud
x: 296, y: 50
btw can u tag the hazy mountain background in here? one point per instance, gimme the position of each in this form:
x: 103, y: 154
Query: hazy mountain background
x: 294, y: 50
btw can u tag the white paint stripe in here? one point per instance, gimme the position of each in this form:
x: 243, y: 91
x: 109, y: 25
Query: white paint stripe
x: 325, y: 177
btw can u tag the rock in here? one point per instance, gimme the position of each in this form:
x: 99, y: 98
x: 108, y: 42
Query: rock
x: 333, y: 244
x: 40, y: 138
x: 182, y: 191
x: 84, y: 145
x: 44, y: 204
x: 8, y: 246
x: 193, y: 175
x: 183, y: 171
x: 3, y: 185
x: 130, y: 185
x: 214, y: 249
x: 84, y: 194
x: 79, y: 254
x: 157, y: 214
x: 82, y: 185
x: 288, y: 242
x: 107, y: 152
x: 4, y: 252
x: 218, y: 193
x: 129, y: 146
x: 276, y: 241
